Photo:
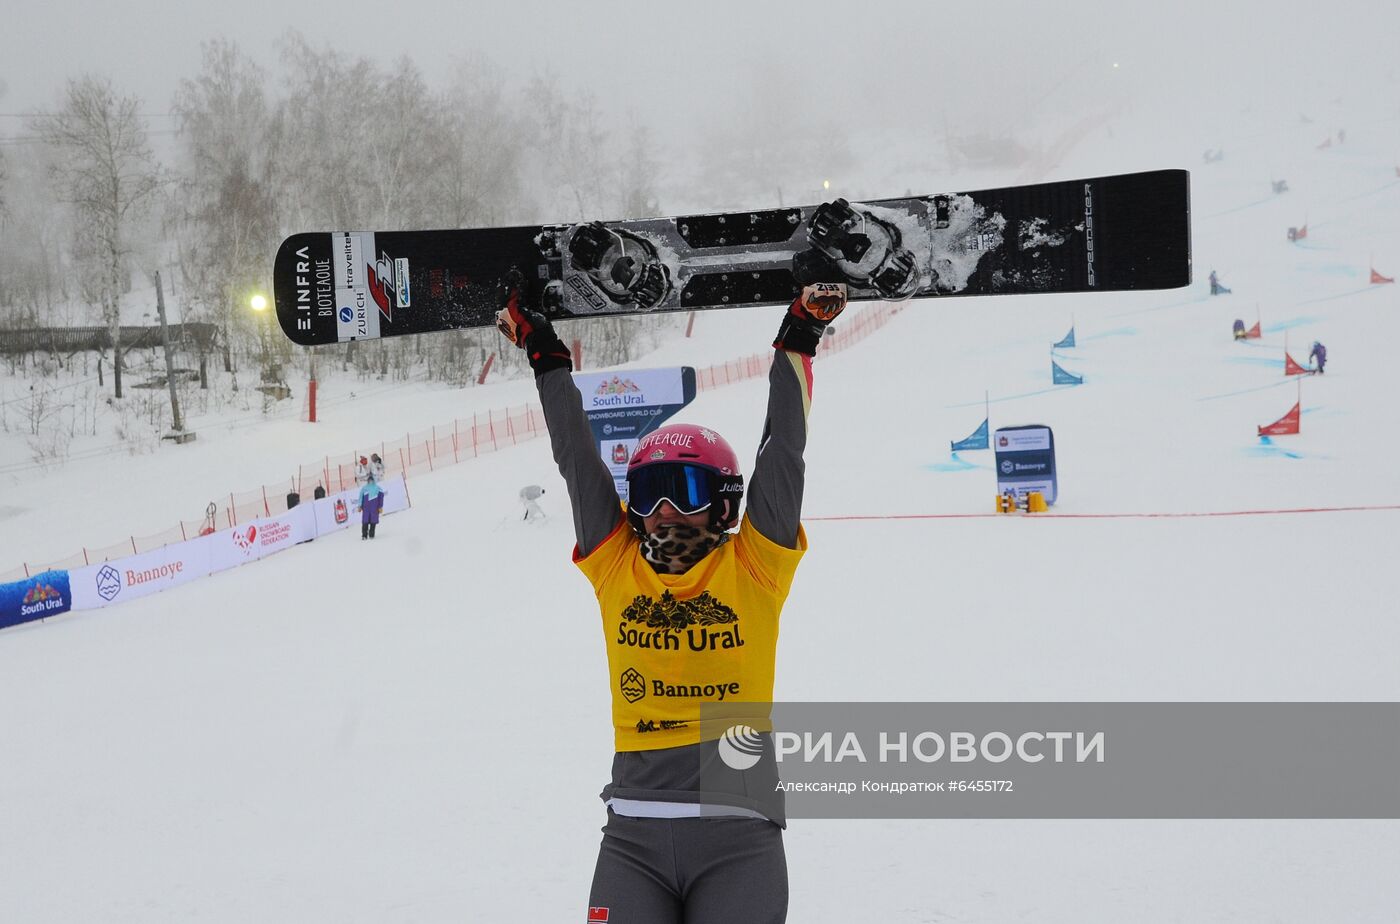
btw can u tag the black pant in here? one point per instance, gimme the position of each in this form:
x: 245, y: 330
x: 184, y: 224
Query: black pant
x: 695, y: 870
x: 367, y: 530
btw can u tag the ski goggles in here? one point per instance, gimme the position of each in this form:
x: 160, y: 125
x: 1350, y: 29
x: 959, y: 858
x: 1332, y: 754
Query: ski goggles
x: 687, y: 487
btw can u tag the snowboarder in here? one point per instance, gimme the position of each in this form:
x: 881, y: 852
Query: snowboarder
x: 1240, y: 332
x: 1280, y: 186
x: 1318, y: 357
x: 667, y: 569
x: 1215, y: 287
x: 530, y: 496
x: 371, y: 502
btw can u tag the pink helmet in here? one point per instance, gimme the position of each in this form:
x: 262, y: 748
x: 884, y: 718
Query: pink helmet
x: 691, y: 466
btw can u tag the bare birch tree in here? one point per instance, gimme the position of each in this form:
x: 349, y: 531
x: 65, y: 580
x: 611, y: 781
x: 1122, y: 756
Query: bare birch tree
x: 479, y: 184
x: 104, y: 169
x: 226, y: 208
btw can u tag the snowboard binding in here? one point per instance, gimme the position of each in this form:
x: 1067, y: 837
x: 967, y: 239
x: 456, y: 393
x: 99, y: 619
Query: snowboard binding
x: 866, y: 250
x: 625, y: 266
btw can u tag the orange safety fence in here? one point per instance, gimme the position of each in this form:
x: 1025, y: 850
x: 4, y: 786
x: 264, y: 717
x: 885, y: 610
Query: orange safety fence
x: 839, y: 337
x: 425, y: 451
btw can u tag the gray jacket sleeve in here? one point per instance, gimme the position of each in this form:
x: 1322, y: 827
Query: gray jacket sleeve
x: 592, y: 493
x: 775, y: 491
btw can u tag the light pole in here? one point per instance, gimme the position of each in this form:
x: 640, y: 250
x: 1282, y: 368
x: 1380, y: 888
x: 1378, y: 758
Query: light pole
x: 179, y: 434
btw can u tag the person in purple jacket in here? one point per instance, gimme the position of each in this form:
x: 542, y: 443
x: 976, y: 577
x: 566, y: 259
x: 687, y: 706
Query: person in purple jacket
x: 371, y: 502
x: 1318, y: 356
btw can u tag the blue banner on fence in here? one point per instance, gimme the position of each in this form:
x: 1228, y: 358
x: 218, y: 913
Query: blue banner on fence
x: 978, y: 439
x: 1066, y: 343
x: 623, y: 407
x: 33, y: 598
x: 1061, y: 377
x: 1025, y: 458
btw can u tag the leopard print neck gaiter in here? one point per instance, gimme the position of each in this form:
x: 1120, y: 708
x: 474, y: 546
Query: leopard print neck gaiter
x: 674, y: 548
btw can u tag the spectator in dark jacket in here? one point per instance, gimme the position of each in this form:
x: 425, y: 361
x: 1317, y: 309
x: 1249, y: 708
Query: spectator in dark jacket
x: 1318, y: 356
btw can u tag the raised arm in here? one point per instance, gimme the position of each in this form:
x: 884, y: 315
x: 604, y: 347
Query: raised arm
x: 592, y: 494
x: 775, y: 491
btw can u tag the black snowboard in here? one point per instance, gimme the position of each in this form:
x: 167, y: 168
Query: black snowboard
x: 1113, y: 233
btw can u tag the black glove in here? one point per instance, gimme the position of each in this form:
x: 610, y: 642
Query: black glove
x: 816, y: 306
x: 529, y: 329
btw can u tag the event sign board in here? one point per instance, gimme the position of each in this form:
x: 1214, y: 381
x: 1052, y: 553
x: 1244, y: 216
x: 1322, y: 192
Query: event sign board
x: 625, y: 405
x: 1025, y: 461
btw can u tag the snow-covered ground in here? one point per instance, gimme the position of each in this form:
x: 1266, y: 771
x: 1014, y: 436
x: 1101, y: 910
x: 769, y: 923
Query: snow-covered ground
x: 373, y: 733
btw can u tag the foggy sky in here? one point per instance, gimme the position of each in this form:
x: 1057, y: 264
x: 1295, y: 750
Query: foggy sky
x: 666, y: 55
x: 901, y: 65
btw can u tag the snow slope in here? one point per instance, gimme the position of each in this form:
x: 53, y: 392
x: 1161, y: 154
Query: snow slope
x: 352, y: 732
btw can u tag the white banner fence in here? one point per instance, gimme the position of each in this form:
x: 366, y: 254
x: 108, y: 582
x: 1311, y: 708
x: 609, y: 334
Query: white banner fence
x: 135, y: 576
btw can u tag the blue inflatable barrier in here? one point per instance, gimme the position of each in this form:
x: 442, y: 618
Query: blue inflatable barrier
x: 34, y: 597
